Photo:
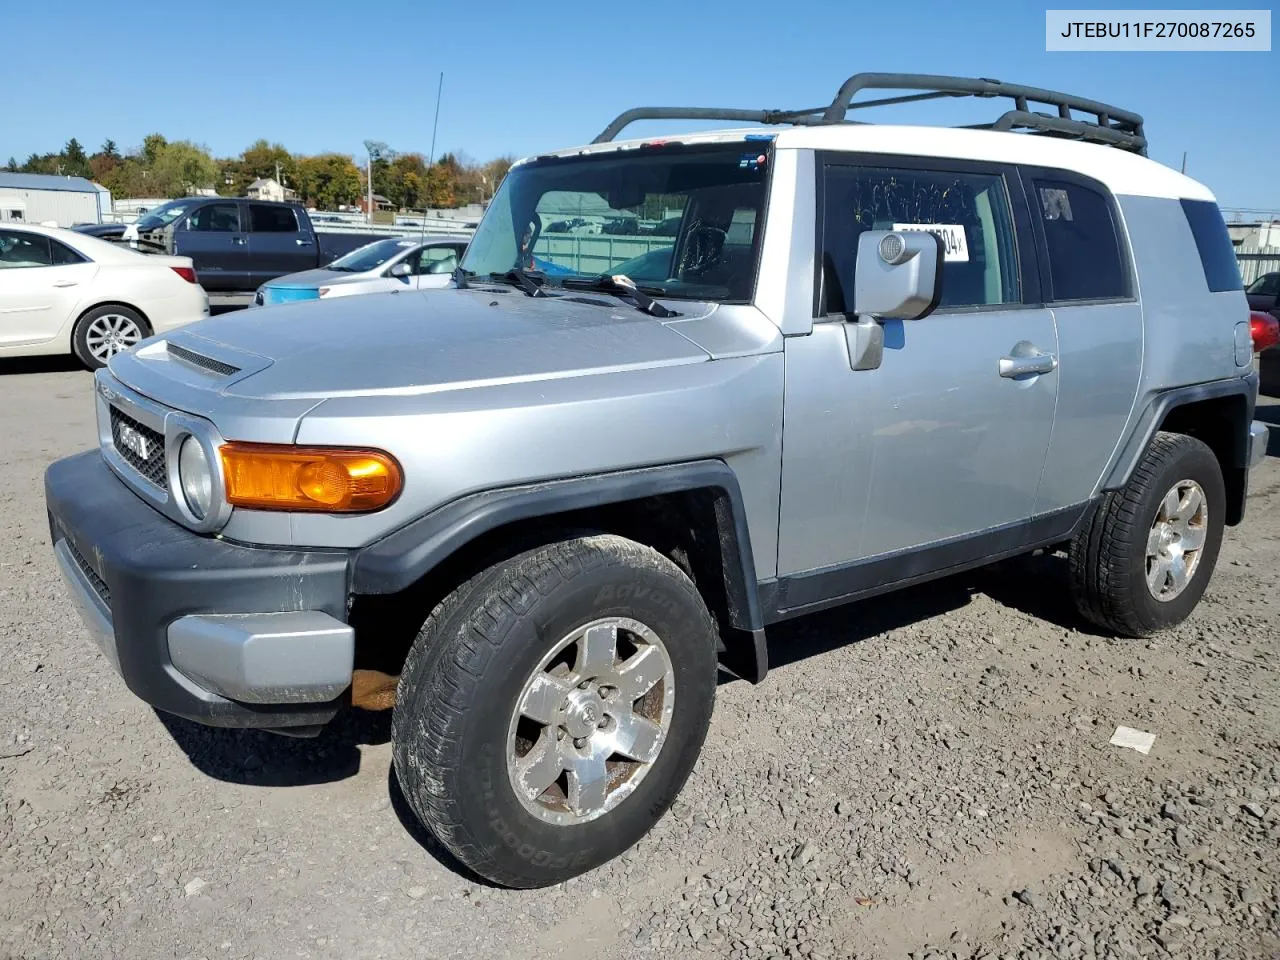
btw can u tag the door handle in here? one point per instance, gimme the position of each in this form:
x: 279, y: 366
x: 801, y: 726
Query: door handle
x: 303, y: 243
x: 66, y: 283
x: 239, y: 241
x: 1022, y: 366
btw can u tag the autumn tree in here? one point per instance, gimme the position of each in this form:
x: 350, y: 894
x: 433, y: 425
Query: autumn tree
x: 152, y: 144
x: 181, y: 168
x: 104, y: 161
x: 328, y: 180
x: 260, y: 158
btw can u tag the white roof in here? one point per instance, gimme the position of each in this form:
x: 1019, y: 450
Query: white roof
x: 97, y: 250
x: 1122, y: 171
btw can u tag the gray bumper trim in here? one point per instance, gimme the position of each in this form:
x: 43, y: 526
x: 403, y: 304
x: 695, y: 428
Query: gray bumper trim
x: 302, y: 657
x: 1258, y: 438
x: 87, y: 603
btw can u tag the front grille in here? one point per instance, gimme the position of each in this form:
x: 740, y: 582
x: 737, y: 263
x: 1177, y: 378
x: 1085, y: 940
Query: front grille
x: 127, y: 434
x: 201, y: 361
x: 99, y: 585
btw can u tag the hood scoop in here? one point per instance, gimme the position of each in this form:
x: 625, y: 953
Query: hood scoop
x: 183, y: 355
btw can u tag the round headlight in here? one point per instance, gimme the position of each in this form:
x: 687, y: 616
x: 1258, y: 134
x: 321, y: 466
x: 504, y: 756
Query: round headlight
x: 196, y: 477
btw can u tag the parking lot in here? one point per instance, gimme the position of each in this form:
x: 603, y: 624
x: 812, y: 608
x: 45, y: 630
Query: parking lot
x: 926, y: 774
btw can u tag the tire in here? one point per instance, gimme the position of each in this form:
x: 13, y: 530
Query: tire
x: 459, y: 725
x: 1109, y: 564
x: 104, y: 331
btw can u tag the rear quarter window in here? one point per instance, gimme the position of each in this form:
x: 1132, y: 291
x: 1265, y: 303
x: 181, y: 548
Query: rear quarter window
x: 266, y: 219
x: 1082, y: 239
x: 1217, y: 256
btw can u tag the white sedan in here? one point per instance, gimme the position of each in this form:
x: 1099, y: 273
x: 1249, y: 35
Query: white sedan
x: 65, y: 292
x: 410, y: 263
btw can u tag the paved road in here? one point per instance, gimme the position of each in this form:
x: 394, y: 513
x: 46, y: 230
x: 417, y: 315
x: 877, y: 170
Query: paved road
x: 926, y: 775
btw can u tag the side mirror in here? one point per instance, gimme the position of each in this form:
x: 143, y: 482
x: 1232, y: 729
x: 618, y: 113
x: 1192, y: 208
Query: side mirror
x: 402, y: 269
x: 898, y: 274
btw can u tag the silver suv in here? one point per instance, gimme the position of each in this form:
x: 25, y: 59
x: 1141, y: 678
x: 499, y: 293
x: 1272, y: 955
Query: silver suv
x: 536, y: 511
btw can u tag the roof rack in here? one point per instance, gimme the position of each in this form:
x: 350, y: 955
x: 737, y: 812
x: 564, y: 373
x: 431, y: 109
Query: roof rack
x: 1107, y: 124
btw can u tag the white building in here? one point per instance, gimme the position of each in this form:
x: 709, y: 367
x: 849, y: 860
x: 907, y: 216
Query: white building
x: 268, y: 189
x: 42, y: 198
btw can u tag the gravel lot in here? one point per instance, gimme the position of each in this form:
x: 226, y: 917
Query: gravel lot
x: 924, y: 775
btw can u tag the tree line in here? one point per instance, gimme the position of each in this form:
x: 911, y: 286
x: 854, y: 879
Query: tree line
x: 178, y: 168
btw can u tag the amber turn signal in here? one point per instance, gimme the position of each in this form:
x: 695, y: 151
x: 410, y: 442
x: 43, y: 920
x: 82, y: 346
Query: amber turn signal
x: 323, y: 479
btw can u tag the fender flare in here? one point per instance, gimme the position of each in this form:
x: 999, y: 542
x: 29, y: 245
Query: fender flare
x: 1158, y: 408
x: 402, y: 558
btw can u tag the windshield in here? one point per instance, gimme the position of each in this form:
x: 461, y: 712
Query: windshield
x: 1268, y: 283
x: 371, y: 256
x: 679, y: 220
x: 163, y: 215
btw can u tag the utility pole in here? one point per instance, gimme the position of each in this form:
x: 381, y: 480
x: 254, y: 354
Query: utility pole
x: 376, y: 149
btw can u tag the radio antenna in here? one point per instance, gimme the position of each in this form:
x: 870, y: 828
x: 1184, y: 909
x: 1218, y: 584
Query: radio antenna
x: 432, y: 159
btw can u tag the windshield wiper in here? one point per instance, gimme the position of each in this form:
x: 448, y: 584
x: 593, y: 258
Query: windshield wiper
x: 623, y: 286
x: 518, y: 277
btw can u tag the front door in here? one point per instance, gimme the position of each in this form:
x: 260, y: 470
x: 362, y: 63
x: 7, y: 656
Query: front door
x: 41, y: 283
x: 944, y: 440
x: 215, y: 239
x: 278, y: 244
x: 434, y: 265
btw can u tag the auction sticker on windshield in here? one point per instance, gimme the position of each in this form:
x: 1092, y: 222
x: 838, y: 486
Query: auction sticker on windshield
x: 954, y: 246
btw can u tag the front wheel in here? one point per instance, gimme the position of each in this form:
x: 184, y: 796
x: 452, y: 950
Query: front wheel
x: 552, y: 707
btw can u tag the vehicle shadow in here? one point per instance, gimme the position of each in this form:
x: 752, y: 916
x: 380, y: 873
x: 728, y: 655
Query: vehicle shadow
x: 258, y: 758
x: 57, y: 363
x: 1035, y: 585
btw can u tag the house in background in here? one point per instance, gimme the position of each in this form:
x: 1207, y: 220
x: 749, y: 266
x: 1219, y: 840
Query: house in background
x: 269, y: 189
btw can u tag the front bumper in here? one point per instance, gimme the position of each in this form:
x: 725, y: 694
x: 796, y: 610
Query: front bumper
x: 216, y: 632
x: 1259, y: 437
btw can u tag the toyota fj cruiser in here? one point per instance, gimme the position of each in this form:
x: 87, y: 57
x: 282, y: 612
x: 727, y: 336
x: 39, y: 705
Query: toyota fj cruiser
x: 552, y: 498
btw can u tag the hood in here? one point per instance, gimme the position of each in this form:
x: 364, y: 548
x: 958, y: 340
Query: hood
x: 315, y: 278
x: 429, y: 341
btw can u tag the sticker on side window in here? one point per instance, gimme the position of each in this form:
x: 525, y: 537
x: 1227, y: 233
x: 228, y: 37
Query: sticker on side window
x: 955, y: 249
x: 1055, y: 203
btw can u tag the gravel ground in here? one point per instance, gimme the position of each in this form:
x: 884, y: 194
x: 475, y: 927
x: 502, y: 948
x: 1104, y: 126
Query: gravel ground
x: 923, y: 775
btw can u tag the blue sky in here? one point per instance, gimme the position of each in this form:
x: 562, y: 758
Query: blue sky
x: 530, y: 76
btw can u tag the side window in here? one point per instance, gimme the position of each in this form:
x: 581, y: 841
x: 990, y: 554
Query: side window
x: 436, y: 260
x: 62, y: 255
x: 1213, y: 243
x: 24, y: 250
x: 1086, y: 261
x: 215, y: 218
x: 969, y: 212
x: 264, y: 218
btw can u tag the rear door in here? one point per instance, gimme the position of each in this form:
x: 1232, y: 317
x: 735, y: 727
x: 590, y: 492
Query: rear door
x: 214, y: 237
x: 1087, y: 281
x: 278, y: 243
x: 42, y: 282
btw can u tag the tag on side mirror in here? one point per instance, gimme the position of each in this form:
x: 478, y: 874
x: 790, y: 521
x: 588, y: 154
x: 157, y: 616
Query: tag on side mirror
x: 897, y: 275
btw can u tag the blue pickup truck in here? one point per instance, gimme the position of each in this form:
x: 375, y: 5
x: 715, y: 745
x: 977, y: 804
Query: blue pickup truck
x: 239, y: 244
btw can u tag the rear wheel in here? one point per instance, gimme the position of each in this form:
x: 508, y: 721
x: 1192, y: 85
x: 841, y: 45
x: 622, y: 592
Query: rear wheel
x: 105, y: 331
x: 552, y: 707
x: 1143, y: 560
